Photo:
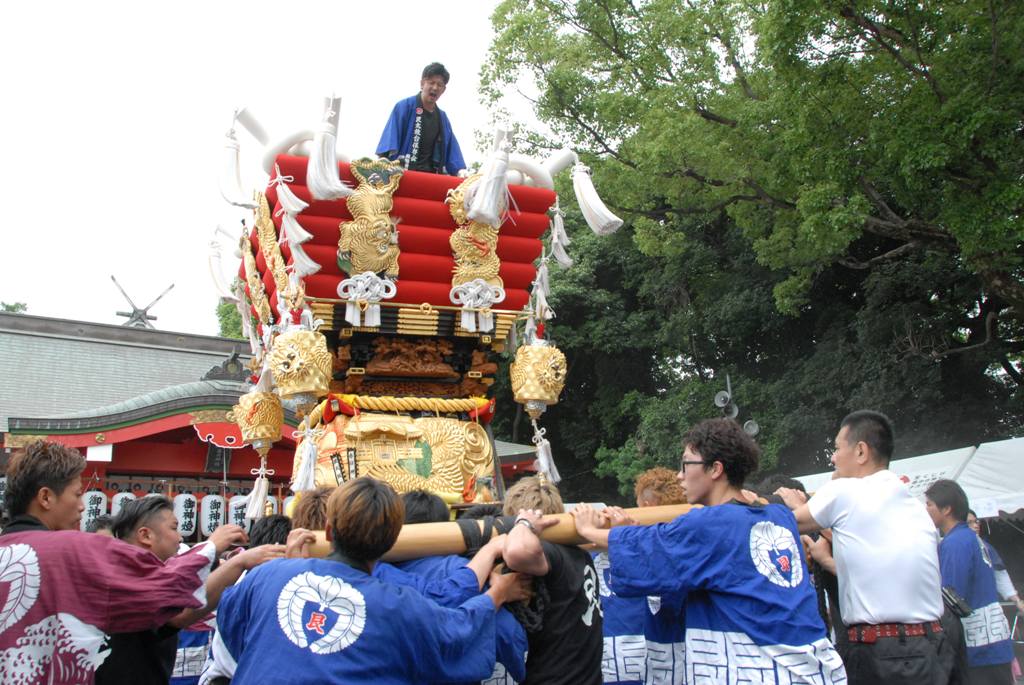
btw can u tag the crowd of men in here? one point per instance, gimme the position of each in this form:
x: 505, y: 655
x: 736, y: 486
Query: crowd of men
x: 859, y: 583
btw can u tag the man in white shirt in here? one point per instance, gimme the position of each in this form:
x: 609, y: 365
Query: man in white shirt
x: 886, y: 554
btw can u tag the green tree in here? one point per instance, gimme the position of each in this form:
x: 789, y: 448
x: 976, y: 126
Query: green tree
x: 14, y: 307
x: 823, y: 202
x: 229, y: 319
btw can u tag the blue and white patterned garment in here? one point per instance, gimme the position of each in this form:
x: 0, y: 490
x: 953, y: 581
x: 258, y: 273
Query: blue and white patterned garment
x: 967, y: 568
x: 751, y: 614
x: 644, y: 641
x: 321, y: 621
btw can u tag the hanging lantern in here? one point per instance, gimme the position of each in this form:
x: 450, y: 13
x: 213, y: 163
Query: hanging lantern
x: 211, y: 514
x: 236, y: 511
x: 185, y: 510
x: 301, y: 366
x: 95, y: 502
x: 538, y: 375
x: 259, y: 416
x: 119, y: 500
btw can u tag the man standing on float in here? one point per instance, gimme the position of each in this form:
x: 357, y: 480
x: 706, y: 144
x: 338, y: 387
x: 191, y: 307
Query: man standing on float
x: 418, y: 133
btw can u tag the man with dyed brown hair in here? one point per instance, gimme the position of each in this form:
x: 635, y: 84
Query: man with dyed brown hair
x: 657, y: 487
x: 44, y: 488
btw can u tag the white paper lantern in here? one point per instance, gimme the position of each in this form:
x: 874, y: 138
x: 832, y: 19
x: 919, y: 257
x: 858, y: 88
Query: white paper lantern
x: 119, y: 500
x: 211, y: 514
x: 236, y: 511
x: 95, y: 502
x: 186, y: 511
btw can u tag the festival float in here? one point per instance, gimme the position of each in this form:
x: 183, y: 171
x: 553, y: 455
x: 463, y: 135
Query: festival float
x: 376, y: 301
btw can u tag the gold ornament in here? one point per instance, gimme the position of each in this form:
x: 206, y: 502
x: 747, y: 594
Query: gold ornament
x: 538, y: 375
x: 300, y: 363
x: 257, y: 295
x: 474, y: 244
x: 259, y: 415
x: 437, y: 454
x: 267, y: 234
x: 370, y: 241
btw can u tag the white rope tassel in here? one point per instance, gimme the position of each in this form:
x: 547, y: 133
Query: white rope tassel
x: 305, y: 475
x: 488, y: 202
x: 257, y: 499
x: 364, y: 293
x: 322, y: 170
x: 559, y: 238
x: 302, y: 264
x: 290, y: 202
x: 599, y: 218
x: 542, y: 310
x: 231, y: 175
x: 545, y: 459
x: 476, y: 298
x: 292, y: 231
x: 542, y: 282
x: 530, y: 330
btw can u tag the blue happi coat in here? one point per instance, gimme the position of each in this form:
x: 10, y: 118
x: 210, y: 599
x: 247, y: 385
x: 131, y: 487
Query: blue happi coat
x: 965, y: 568
x: 751, y: 614
x: 320, y: 621
x: 511, y: 638
x: 400, y: 130
x: 643, y: 636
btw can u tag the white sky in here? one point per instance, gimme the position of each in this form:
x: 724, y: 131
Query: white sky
x: 114, y: 114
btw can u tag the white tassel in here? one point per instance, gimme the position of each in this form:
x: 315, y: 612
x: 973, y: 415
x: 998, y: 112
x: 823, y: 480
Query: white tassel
x: 545, y: 458
x: 530, y: 330
x: 488, y: 201
x: 541, y: 281
x: 302, y: 265
x: 292, y: 231
x: 290, y: 202
x: 322, y: 170
x: 257, y: 499
x: 599, y: 218
x: 305, y: 475
x: 559, y: 238
x: 231, y: 175
x: 541, y: 309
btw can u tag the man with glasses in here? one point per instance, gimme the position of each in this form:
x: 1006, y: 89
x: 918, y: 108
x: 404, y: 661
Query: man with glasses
x: 751, y: 614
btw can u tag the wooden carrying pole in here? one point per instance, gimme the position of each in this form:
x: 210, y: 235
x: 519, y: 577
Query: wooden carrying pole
x: 433, y: 539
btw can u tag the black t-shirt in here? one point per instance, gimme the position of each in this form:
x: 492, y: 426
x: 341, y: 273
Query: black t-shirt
x: 567, y: 650
x: 430, y: 130
x: 140, y: 658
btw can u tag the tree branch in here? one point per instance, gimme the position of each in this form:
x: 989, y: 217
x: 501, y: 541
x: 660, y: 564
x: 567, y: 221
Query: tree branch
x: 741, y: 74
x: 851, y: 263
x: 878, y: 34
x: 707, y: 114
x: 1011, y: 370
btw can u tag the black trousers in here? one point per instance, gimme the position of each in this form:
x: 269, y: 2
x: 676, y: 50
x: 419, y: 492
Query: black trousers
x: 921, y: 660
x: 1000, y: 674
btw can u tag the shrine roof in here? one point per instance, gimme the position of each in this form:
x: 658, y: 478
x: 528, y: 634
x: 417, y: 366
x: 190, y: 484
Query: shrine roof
x: 53, y: 367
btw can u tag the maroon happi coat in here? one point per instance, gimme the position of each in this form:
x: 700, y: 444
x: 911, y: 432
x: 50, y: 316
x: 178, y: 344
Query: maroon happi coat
x: 62, y: 592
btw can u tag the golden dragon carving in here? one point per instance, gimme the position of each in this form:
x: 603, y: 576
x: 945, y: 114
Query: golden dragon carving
x: 474, y: 244
x: 370, y: 241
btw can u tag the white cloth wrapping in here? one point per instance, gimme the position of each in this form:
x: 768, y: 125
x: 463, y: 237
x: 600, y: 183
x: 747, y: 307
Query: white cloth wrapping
x: 599, y: 218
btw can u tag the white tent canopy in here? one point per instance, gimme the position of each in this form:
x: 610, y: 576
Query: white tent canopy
x: 992, y: 475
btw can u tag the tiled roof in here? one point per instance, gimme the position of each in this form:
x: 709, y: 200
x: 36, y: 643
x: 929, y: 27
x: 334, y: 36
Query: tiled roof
x: 56, y: 367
